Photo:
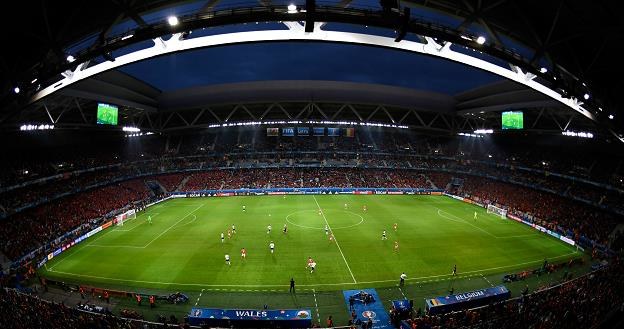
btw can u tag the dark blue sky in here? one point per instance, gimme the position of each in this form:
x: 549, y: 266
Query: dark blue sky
x: 307, y: 61
x: 301, y: 61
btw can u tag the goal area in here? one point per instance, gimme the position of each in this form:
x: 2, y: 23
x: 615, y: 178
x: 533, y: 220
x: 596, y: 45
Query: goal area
x: 492, y: 209
x: 126, y: 216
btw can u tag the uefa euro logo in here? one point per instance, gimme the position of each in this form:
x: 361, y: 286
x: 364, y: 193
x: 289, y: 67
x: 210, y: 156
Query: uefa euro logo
x: 369, y: 314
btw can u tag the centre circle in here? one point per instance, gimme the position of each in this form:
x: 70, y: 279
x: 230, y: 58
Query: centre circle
x: 337, y: 219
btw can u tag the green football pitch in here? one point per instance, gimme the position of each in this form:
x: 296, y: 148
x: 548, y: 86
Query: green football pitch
x: 182, y: 250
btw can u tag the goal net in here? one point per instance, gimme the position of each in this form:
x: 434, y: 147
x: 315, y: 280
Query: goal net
x: 126, y: 216
x: 492, y: 209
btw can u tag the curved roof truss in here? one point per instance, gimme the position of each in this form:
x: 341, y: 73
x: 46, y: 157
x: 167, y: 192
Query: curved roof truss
x: 297, y: 32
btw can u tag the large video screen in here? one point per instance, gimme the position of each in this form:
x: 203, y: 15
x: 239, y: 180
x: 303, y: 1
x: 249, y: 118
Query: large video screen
x: 106, y: 114
x: 512, y: 120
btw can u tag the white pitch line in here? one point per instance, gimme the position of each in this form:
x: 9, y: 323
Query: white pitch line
x: 519, y: 236
x: 60, y: 261
x: 335, y: 240
x: 176, y: 223
x: 465, y: 222
x: 194, y: 218
x: 401, y: 290
x: 318, y: 316
x: 101, y: 235
x: 486, y: 280
x: 135, y: 226
x: 113, y: 246
x: 307, y: 285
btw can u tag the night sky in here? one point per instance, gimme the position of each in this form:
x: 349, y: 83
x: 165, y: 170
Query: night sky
x: 302, y: 61
x: 307, y: 61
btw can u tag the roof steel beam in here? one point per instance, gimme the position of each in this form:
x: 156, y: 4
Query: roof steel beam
x: 431, y: 48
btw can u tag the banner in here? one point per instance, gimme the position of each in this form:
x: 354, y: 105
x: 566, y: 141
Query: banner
x: 471, y: 299
x: 333, y: 132
x: 303, y: 131
x: 272, y: 131
x: 213, y: 317
x: 288, y: 131
x: 349, y: 132
x: 319, y: 131
x: 567, y: 240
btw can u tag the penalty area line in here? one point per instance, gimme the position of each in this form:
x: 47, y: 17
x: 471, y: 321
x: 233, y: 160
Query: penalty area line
x: 141, y: 222
x: 461, y: 220
x: 194, y: 218
x: 335, y: 240
x: 170, y: 227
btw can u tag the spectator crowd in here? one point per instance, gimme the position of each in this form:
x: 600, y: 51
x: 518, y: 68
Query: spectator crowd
x: 585, y: 302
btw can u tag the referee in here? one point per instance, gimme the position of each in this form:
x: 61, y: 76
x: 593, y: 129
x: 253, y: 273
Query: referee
x: 292, y: 285
x: 403, y: 277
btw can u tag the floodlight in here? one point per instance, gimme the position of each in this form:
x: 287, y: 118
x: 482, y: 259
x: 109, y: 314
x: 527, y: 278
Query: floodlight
x: 543, y: 70
x: 586, y: 96
x: 70, y: 58
x: 611, y: 116
x: 481, y: 40
x: 292, y: 8
x: 172, y: 20
x: 16, y: 90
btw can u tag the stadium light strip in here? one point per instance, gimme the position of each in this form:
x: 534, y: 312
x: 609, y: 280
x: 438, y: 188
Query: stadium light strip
x: 296, y: 32
x: 577, y: 134
x: 36, y: 127
x: 324, y: 122
x: 140, y: 134
x: 470, y: 135
x: 131, y: 129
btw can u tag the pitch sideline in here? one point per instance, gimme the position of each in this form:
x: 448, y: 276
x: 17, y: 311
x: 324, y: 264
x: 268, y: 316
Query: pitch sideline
x: 461, y: 275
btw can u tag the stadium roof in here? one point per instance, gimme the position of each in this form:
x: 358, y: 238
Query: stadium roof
x: 578, y: 40
x: 301, y: 101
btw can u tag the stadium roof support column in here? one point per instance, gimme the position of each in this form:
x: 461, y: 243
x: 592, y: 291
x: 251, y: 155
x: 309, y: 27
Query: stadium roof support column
x: 344, y: 3
x: 208, y: 6
x: 80, y: 110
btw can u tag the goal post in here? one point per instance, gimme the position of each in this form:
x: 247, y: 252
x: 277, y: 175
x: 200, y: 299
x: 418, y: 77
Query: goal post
x: 492, y: 209
x: 126, y: 216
